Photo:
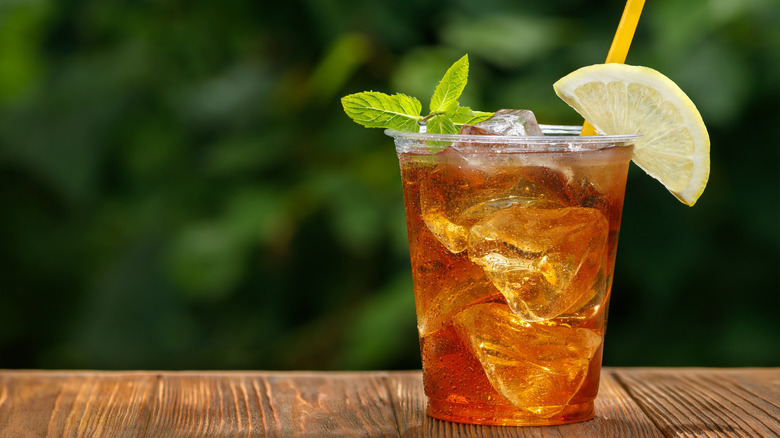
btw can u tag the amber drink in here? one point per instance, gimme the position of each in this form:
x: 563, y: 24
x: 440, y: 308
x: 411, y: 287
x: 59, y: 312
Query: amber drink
x: 512, y: 242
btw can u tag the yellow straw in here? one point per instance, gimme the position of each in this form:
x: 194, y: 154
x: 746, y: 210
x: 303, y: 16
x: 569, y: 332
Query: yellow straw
x: 620, y: 44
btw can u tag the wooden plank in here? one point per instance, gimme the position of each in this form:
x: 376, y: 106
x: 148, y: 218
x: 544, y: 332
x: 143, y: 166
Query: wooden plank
x: 26, y: 403
x: 190, y: 404
x: 696, y: 402
x: 765, y: 383
x: 283, y: 404
x: 617, y: 415
x: 70, y: 404
x: 101, y: 405
x: 195, y: 404
x: 327, y: 405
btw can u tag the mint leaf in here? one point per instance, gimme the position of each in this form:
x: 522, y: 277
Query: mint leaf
x: 400, y: 112
x: 480, y: 116
x: 441, y: 125
x: 466, y: 116
x: 445, y: 97
x: 379, y: 110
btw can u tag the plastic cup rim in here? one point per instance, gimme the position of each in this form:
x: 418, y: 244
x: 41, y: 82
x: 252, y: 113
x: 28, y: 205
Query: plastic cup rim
x: 553, y: 134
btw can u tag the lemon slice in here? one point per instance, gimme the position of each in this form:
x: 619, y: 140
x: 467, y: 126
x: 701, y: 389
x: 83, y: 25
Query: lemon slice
x: 674, y: 146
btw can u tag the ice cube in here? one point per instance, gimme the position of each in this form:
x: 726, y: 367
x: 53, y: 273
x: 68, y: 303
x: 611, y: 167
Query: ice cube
x: 542, y: 260
x: 573, y: 190
x: 475, y: 130
x: 455, y: 291
x: 453, y: 373
x: 512, y: 122
x: 444, y: 283
x: 456, y: 195
x: 537, y: 367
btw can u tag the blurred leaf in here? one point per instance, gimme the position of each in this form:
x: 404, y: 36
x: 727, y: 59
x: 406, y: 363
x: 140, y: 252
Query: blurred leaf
x: 222, y: 98
x: 506, y: 40
x: 206, y: 261
x: 672, y: 22
x: 420, y: 69
x: 255, y: 214
x: 716, y: 78
x: 243, y: 155
x: 342, y: 58
x: 21, y: 61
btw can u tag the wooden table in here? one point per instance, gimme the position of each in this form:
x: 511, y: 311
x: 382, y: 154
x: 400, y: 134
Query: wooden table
x: 633, y: 402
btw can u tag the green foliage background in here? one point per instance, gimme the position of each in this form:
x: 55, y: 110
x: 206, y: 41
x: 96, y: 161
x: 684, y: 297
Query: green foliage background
x: 180, y: 187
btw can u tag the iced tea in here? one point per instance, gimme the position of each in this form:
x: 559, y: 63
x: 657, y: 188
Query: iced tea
x: 512, y: 243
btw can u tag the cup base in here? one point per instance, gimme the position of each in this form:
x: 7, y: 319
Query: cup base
x: 504, y: 416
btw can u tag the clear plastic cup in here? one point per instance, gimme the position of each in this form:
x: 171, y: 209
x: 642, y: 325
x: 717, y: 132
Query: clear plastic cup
x: 512, y: 243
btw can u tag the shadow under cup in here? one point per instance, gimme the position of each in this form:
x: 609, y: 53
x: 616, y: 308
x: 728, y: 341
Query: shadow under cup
x: 512, y: 243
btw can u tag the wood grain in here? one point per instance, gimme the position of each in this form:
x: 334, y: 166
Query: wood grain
x: 762, y: 382
x: 640, y: 402
x: 40, y: 404
x: 209, y: 405
x: 703, y: 404
x: 329, y: 405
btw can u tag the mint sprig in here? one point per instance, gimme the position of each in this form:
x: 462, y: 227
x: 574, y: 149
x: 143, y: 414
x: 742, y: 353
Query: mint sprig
x: 403, y: 113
